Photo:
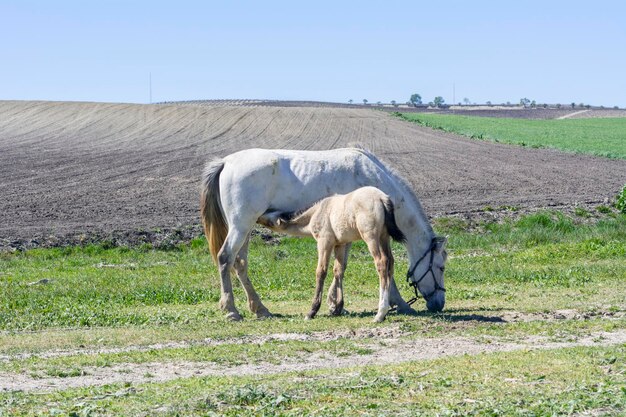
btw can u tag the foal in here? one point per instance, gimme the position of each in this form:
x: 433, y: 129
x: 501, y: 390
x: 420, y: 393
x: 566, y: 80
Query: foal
x: 335, y: 222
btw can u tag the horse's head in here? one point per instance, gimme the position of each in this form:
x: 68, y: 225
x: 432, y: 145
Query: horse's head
x: 272, y: 219
x: 427, y: 274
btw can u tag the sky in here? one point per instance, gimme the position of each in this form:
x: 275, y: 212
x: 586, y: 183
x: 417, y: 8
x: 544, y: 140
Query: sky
x: 498, y: 51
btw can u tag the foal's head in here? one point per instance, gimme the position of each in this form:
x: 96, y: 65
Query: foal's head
x: 427, y: 274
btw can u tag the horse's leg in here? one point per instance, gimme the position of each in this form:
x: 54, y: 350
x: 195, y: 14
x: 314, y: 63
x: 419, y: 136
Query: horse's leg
x: 324, y: 250
x: 241, y: 267
x: 395, y: 299
x: 226, y: 260
x: 380, y: 253
x: 335, y: 292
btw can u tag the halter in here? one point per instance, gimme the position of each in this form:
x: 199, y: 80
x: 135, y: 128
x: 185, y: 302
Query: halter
x: 415, y: 283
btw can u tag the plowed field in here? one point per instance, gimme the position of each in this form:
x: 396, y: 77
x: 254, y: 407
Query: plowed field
x: 72, y: 168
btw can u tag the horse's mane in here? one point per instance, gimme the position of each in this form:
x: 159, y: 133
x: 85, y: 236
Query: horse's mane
x: 404, y: 184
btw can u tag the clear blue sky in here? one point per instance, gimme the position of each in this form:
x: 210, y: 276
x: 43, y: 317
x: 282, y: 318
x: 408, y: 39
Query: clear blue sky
x: 549, y: 51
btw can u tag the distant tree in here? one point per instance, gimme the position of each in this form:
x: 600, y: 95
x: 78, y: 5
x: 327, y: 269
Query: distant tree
x: 489, y: 103
x: 365, y: 102
x: 378, y: 103
x: 466, y: 101
x: 558, y: 105
x: 573, y: 104
x: 616, y: 107
x: 415, y: 99
x: 393, y: 103
x: 587, y: 106
x: 533, y: 104
x: 508, y: 103
x: 350, y: 101
x: 430, y: 104
x: 524, y: 102
x: 544, y: 105
x: 438, y: 101
x: 581, y: 105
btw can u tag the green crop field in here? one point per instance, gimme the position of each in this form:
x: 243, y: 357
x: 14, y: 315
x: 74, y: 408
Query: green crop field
x: 601, y: 137
x: 124, y: 316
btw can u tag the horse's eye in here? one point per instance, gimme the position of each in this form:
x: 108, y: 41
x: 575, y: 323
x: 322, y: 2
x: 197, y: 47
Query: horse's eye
x: 442, y: 268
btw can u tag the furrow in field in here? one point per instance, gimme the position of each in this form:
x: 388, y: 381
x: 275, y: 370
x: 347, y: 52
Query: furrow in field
x: 95, y: 164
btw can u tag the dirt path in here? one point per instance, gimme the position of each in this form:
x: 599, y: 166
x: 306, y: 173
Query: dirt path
x: 384, y: 351
x: 325, y: 336
x: 570, y: 115
x: 392, y: 331
x: 82, y: 169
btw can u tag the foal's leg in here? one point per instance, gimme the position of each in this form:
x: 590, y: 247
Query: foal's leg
x: 323, y: 255
x: 241, y: 267
x: 380, y: 252
x: 335, y: 292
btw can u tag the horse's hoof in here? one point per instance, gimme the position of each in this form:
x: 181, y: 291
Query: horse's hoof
x: 336, y: 312
x: 379, y: 319
x: 408, y: 311
x: 265, y: 314
x: 309, y: 316
x: 234, y: 316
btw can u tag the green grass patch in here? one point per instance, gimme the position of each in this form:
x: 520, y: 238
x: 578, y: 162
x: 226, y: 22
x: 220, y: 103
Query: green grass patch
x: 601, y: 137
x: 454, y: 324
x: 98, y: 296
x: 231, y: 354
x: 95, y: 287
x: 523, y: 383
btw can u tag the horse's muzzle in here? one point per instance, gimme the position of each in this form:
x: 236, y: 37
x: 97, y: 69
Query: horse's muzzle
x: 436, y: 302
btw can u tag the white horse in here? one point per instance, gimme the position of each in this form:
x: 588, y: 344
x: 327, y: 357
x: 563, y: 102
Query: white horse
x: 334, y: 222
x: 239, y: 188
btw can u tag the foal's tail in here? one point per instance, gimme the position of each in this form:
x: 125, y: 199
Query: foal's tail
x: 390, y: 222
x: 213, y: 221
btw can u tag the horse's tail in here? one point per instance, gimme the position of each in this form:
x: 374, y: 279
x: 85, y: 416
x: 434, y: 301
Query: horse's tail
x: 213, y: 221
x: 390, y: 222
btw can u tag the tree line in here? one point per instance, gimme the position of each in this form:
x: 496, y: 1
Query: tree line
x: 415, y: 100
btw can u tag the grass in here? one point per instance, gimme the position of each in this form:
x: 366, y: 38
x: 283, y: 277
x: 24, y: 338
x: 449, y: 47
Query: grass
x: 601, y: 137
x: 275, y: 352
x: 119, y: 287
x: 101, y: 297
x: 523, y: 383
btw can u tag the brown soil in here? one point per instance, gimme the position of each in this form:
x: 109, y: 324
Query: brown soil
x: 92, y: 169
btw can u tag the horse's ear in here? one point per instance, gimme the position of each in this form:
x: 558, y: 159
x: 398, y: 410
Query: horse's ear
x: 440, y: 243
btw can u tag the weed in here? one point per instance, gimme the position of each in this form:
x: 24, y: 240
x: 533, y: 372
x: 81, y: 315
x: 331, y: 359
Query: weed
x: 581, y: 212
x: 446, y: 225
x: 64, y: 373
x: 620, y: 202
